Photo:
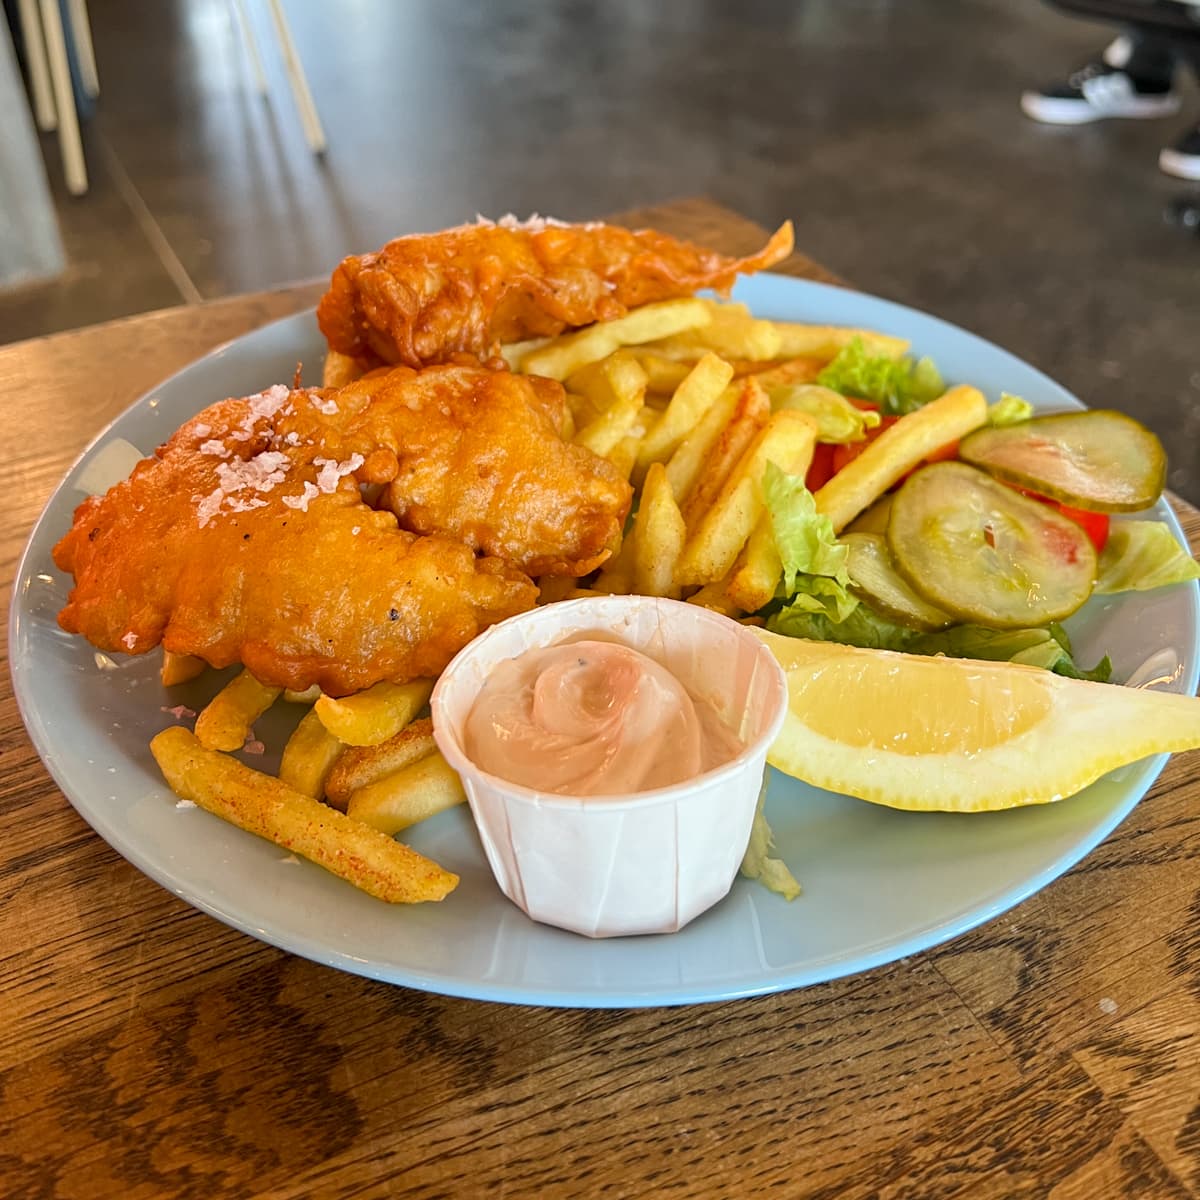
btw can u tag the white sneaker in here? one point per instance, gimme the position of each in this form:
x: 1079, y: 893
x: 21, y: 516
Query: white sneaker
x: 1097, y: 92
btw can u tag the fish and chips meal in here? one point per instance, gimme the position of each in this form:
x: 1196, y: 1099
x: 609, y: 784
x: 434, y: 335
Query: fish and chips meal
x: 516, y: 414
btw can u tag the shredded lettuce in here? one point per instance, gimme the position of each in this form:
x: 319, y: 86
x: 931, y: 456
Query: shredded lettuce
x: 1140, y: 555
x: 897, y: 385
x: 1009, y: 410
x: 804, y: 537
x: 758, y: 864
x: 838, y: 421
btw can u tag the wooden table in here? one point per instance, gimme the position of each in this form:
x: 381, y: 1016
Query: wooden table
x: 147, y: 1051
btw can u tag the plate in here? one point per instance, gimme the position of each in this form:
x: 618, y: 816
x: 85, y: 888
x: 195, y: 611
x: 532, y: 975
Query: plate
x: 878, y: 884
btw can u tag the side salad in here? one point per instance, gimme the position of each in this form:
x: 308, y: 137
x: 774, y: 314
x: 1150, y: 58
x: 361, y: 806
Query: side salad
x: 983, y: 549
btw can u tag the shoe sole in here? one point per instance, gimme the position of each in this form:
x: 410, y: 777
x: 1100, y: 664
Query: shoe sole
x: 1182, y: 166
x: 1051, y: 111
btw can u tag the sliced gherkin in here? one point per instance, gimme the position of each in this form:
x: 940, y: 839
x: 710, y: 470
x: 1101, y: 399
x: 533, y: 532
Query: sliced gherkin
x: 1098, y: 460
x: 874, y: 578
x: 984, y: 553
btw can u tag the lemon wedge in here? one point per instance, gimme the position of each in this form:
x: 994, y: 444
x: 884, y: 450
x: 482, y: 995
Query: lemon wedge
x: 958, y: 735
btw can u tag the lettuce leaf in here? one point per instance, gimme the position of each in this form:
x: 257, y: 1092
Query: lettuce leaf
x: 1140, y: 555
x: 897, y: 385
x: 838, y: 421
x: 1046, y: 648
x: 804, y: 537
x: 1009, y: 410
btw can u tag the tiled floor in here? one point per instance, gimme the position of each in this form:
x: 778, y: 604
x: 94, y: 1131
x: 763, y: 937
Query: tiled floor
x: 888, y: 131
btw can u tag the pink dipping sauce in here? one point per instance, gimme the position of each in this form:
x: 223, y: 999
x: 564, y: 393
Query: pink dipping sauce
x: 592, y: 718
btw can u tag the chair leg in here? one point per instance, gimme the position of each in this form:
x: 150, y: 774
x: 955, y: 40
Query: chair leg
x: 68, y: 120
x: 81, y: 31
x: 39, y: 71
x: 256, y: 65
x: 295, y: 72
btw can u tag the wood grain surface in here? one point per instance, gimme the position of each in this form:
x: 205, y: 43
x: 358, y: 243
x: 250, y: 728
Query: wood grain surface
x: 148, y: 1051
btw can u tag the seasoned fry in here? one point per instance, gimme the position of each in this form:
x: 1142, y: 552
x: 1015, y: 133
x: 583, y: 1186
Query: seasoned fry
x: 414, y: 793
x: 787, y: 440
x: 263, y: 805
x: 309, y: 756
x: 567, y: 353
x: 715, y: 596
x: 360, y: 766
x: 180, y: 668
x: 692, y: 399
x: 370, y: 717
x: 792, y: 373
x: 897, y: 450
x: 658, y: 537
x: 753, y: 410
x: 225, y: 722
x: 758, y: 571
x: 824, y: 341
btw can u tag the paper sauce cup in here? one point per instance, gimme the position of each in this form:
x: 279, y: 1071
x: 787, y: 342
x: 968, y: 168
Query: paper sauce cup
x: 645, y: 862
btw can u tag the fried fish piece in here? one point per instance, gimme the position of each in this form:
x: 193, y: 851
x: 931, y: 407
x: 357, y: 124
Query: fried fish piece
x: 426, y: 298
x: 246, y: 538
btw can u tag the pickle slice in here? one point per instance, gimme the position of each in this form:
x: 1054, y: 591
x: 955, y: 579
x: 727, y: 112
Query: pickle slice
x: 874, y: 578
x: 873, y: 519
x: 984, y: 553
x: 1098, y: 460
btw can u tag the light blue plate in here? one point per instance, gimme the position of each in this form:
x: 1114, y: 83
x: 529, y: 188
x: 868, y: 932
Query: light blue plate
x: 878, y: 884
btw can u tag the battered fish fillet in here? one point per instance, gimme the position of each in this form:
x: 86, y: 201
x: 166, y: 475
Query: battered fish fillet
x: 246, y: 537
x: 428, y: 297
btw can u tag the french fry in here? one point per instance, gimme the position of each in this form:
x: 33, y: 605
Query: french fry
x: 824, y: 341
x: 513, y: 352
x: 897, y: 450
x: 600, y: 385
x: 758, y: 571
x: 624, y: 454
x: 370, y: 717
x: 264, y: 805
x: 616, y: 576
x: 180, y: 668
x: 627, y: 383
x: 709, y: 474
x: 692, y: 399
x: 732, y: 333
x: 658, y: 537
x: 414, y: 793
x: 309, y: 756
x: 663, y: 374
x: 225, y: 721
x: 684, y: 466
x: 567, y: 353
x: 340, y: 369
x: 362, y: 765
x: 715, y: 596
x: 792, y: 373
x: 787, y: 440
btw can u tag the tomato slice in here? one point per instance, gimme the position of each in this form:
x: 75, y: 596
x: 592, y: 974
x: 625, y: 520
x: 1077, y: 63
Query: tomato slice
x: 820, y: 470
x: 1094, y: 524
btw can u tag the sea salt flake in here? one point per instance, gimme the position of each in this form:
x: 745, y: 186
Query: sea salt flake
x: 331, y: 471
x: 129, y: 641
x: 328, y: 407
x: 241, y: 506
x: 201, y: 430
x: 216, y: 448
x: 180, y: 712
x: 185, y: 804
x: 290, y: 859
x: 311, y: 492
x: 253, y: 746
